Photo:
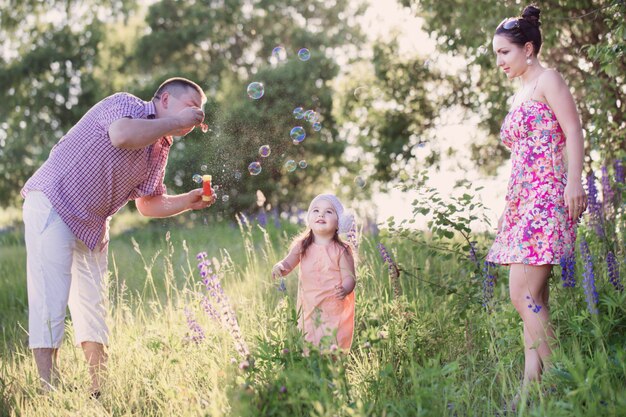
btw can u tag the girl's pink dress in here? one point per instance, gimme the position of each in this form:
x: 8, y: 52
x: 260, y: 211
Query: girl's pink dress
x: 537, y: 229
x: 325, y: 320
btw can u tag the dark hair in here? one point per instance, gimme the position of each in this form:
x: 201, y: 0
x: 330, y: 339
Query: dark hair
x: 525, y: 29
x: 305, y: 239
x: 177, y: 85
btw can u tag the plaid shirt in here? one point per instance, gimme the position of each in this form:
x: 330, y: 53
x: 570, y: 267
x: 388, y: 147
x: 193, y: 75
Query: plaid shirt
x: 87, y: 179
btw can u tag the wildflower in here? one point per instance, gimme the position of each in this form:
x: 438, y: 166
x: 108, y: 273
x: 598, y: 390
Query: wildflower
x: 283, y: 389
x: 394, y: 271
x: 393, y: 268
x: 607, y: 191
x: 243, y: 365
x: 285, y: 351
x: 595, y: 207
x: 276, y: 218
x: 217, y: 305
x: 333, y: 347
x: 536, y: 308
x: 352, y: 237
x: 613, y: 271
x: 261, y: 218
x: 489, y: 281
x: 281, y: 286
x: 197, y: 334
x: 233, y: 361
x: 367, y: 345
x: 568, y: 268
x: 619, y: 171
x: 589, y: 284
x: 472, y: 256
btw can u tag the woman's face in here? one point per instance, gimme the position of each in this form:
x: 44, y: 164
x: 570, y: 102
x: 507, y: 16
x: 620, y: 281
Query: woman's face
x: 509, y: 56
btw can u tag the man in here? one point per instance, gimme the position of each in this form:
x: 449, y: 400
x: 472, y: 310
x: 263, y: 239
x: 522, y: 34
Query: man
x: 117, y: 152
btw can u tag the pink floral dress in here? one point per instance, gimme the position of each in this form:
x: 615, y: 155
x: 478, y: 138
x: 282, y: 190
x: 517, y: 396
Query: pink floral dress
x: 536, y: 228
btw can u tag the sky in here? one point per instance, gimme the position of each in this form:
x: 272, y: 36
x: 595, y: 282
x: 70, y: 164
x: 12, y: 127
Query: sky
x: 381, y: 17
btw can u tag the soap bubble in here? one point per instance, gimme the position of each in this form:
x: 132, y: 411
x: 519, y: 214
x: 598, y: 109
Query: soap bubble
x: 279, y: 53
x: 254, y: 168
x: 360, y: 92
x: 290, y: 165
x: 360, y: 181
x: 197, y: 178
x: 297, y: 134
x: 302, y: 164
x: 204, y: 127
x: 225, y: 198
x: 298, y: 113
x: 317, y: 126
x: 256, y: 90
x: 203, y: 167
x: 304, y: 54
x: 265, y: 151
x: 310, y: 116
x: 237, y: 175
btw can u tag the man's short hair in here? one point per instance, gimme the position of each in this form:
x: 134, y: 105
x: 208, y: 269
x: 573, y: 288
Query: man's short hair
x: 177, y: 86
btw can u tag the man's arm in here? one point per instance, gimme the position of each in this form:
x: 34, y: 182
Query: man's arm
x: 170, y: 205
x: 138, y: 133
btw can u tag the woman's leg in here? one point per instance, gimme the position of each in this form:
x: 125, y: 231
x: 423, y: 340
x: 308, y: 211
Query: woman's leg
x: 528, y: 287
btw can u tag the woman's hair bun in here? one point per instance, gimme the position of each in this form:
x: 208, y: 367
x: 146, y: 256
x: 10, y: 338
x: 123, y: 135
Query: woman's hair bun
x: 531, y: 15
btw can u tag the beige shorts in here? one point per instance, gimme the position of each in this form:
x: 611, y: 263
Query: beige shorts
x: 62, y: 271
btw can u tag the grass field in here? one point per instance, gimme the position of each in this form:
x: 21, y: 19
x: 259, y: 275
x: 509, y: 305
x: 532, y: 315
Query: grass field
x: 424, y: 344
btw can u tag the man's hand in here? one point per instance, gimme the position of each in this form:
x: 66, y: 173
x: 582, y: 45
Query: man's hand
x: 187, y: 119
x: 196, y: 202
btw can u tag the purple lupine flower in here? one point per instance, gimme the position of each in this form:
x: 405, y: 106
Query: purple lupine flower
x: 607, y: 191
x: 352, y: 236
x: 394, y: 271
x: 217, y: 305
x: 197, y: 334
x: 489, y: 281
x: 276, y: 217
x: 393, y: 268
x: 589, y: 283
x: 568, y: 269
x: 613, y: 271
x: 532, y: 304
x: 595, y: 206
x: 472, y: 252
x: 619, y: 171
x: 281, y: 286
x: 261, y: 218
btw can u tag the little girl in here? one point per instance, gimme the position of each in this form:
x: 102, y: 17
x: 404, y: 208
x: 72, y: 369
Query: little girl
x: 327, y: 276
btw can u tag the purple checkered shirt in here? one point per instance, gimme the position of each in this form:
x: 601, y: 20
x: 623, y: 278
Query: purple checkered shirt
x: 87, y: 179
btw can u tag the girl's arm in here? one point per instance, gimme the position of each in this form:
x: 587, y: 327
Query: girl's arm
x: 285, y: 266
x: 560, y: 100
x: 348, y: 275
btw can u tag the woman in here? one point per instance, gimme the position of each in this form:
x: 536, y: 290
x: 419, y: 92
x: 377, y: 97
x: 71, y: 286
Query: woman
x: 545, y: 196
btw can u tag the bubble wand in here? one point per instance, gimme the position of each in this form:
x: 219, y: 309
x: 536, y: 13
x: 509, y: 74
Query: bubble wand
x: 206, y: 188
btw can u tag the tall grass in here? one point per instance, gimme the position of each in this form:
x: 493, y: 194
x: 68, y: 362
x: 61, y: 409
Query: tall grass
x: 430, y: 349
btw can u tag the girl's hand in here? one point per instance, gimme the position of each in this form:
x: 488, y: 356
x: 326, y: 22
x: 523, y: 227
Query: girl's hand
x: 278, y: 270
x: 575, y: 198
x: 341, y: 292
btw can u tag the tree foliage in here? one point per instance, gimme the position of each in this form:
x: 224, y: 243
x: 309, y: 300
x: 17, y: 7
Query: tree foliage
x: 69, y: 55
x: 584, y: 40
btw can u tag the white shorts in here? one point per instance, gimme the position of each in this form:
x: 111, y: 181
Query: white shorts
x: 62, y: 271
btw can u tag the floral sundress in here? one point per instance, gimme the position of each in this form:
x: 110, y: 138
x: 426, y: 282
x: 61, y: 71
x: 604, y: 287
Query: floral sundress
x: 536, y: 228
